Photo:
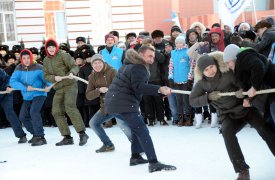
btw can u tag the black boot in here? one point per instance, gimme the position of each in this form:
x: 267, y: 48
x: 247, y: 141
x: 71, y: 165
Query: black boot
x: 151, y: 122
x: 105, y: 148
x: 243, y: 175
x: 136, y: 160
x: 22, y: 139
x: 163, y: 122
x: 160, y: 167
x: 83, y: 138
x: 65, y: 141
x: 38, y: 141
x: 31, y: 140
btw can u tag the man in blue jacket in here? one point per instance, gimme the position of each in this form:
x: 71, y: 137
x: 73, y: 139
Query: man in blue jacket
x: 124, y: 96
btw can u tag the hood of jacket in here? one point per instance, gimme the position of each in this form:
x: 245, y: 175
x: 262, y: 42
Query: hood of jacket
x: 202, y: 27
x: 132, y: 57
x: 47, y: 44
x: 218, y: 57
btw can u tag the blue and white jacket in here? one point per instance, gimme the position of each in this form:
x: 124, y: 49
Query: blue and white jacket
x: 114, y: 58
x: 179, y: 66
x: 25, y: 76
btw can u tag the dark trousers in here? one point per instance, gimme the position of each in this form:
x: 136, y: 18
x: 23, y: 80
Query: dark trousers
x: 154, y: 107
x: 141, y: 139
x: 183, y: 100
x: 6, y: 102
x: 30, y: 115
x: 230, y: 127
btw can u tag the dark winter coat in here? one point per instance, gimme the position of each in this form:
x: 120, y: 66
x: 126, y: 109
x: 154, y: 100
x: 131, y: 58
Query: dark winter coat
x: 98, y: 80
x: 84, y: 73
x: 127, y: 88
x: 155, y: 69
x: 264, y: 46
x: 4, y: 80
x: 253, y: 69
x: 224, y: 81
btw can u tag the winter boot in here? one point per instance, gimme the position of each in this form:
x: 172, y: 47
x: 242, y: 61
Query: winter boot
x: 83, y: 138
x: 22, y: 140
x: 206, y: 115
x: 189, y: 120
x: 39, y: 141
x: 108, y: 124
x: 151, y: 122
x: 137, y: 160
x: 163, y: 122
x: 160, y: 167
x: 181, y: 121
x: 65, y: 141
x: 243, y: 175
x: 30, y: 141
x: 198, y: 118
x: 214, y: 120
x: 105, y: 148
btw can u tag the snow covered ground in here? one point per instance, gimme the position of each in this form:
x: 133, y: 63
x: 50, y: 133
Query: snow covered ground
x: 198, y: 155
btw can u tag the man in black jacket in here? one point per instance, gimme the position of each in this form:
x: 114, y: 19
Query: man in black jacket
x: 124, y: 96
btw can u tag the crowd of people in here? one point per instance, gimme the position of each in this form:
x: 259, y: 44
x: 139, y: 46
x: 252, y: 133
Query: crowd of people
x: 130, y: 83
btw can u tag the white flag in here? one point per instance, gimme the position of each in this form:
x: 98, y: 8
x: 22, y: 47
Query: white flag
x: 229, y: 10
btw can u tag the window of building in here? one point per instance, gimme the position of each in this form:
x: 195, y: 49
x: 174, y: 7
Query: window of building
x: 55, y: 20
x: 7, y: 21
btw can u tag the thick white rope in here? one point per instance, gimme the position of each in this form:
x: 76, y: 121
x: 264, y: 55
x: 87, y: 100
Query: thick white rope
x: 266, y: 91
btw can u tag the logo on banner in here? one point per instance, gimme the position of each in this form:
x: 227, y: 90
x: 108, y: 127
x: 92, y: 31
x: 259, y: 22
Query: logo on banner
x: 234, y: 5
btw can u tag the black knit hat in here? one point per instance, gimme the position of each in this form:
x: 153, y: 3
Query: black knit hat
x: 51, y: 43
x: 205, y: 61
x: 83, y: 39
x: 34, y: 50
x: 168, y: 43
x: 157, y: 33
x: 9, y: 56
x: 176, y: 28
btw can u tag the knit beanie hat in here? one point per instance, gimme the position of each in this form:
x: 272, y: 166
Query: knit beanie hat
x: 51, y: 43
x: 180, y: 39
x: 26, y: 52
x: 230, y: 52
x: 97, y: 57
x: 205, y: 61
x: 109, y: 36
x: 176, y: 28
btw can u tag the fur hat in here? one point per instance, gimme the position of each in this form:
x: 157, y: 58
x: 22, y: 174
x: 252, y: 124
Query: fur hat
x: 64, y: 47
x: 115, y: 33
x: 83, y: 39
x: 78, y: 55
x: 96, y: 57
x: 157, y: 33
x: 88, y: 53
x: 248, y: 34
x: 131, y: 34
x: 244, y: 24
x: 109, y: 36
x: 4, y: 48
x: 34, y: 50
x: 230, y: 52
x: 262, y: 24
x: 9, y: 56
x: 204, y: 61
x: 16, y: 49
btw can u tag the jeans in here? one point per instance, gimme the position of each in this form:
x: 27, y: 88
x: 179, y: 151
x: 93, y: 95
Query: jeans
x: 99, y: 118
x: 173, y: 106
x: 140, y: 134
x: 6, y: 102
x: 183, y: 105
x: 30, y: 115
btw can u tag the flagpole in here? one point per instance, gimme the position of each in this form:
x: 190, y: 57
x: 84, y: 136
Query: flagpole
x: 254, y: 9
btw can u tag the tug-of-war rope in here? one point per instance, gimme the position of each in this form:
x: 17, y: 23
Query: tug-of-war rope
x: 48, y: 88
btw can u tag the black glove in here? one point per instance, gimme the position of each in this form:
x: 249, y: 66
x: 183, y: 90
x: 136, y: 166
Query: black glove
x: 189, y: 85
x: 214, y: 96
x: 171, y: 83
x: 239, y: 94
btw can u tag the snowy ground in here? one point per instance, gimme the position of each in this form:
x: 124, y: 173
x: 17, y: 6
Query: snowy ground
x: 198, y: 155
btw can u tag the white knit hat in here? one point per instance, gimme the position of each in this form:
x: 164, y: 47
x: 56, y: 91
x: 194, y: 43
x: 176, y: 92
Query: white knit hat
x: 230, y: 52
x: 180, y: 38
